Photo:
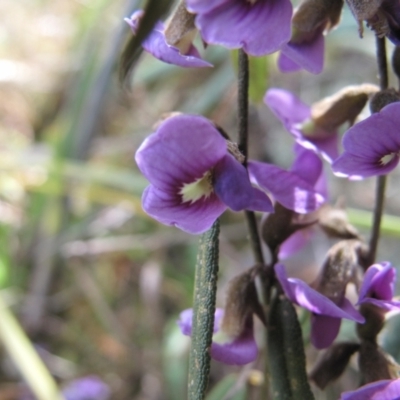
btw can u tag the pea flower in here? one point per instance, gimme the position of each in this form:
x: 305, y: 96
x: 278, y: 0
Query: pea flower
x: 193, y: 177
x: 378, y: 286
x: 295, y: 116
x: 380, y: 390
x: 236, y: 351
x: 258, y: 26
x: 372, y: 146
x: 156, y: 45
x: 326, y: 315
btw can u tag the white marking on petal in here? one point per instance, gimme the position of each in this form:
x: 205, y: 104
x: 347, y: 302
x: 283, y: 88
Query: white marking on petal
x: 387, y: 158
x: 194, y: 191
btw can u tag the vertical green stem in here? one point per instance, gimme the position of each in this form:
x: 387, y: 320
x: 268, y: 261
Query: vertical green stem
x: 203, y: 312
x: 381, y: 181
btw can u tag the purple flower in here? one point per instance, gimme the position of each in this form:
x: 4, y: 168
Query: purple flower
x: 380, y: 390
x: 294, y: 189
x: 258, y: 26
x: 87, y: 388
x: 156, y: 45
x: 307, y: 54
x: 372, y: 146
x: 378, y: 287
x: 296, y: 116
x: 237, y: 351
x: 193, y: 176
x: 326, y: 315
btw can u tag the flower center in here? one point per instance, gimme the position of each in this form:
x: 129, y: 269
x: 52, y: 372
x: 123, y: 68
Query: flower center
x: 387, y: 158
x: 251, y: 1
x: 194, y: 191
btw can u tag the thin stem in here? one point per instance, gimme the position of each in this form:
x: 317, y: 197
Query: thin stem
x: 382, y: 63
x: 381, y: 181
x: 205, y: 291
x: 243, y: 103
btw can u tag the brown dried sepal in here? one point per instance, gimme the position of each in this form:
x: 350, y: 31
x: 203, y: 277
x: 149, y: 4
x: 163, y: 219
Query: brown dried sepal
x: 333, y: 362
x: 383, y: 98
x: 374, y: 322
x: 180, y: 29
x: 241, y: 302
x: 344, y: 106
x: 312, y: 14
x: 333, y: 221
x: 375, y: 364
x: 340, y: 267
x: 280, y: 225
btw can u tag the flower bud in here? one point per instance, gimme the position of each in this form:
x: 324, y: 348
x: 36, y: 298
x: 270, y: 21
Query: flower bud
x: 344, y: 106
x: 340, y: 267
x: 180, y: 29
x: 334, y: 222
x: 382, y: 98
x: 374, y: 364
x: 333, y: 362
x: 241, y: 302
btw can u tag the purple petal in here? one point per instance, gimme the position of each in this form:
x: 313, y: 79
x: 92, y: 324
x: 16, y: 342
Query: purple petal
x: 286, y: 187
x: 168, y: 209
x: 156, y: 45
x: 87, y: 388
x: 378, y: 282
x: 182, y: 150
x: 387, y: 305
x: 324, y: 330
x: 185, y: 320
x: 308, y: 55
x: 240, y: 351
x: 380, y: 390
x: 307, y: 165
x: 233, y: 187
x: 203, y: 6
x: 287, y: 107
x: 295, y: 242
x: 238, y: 23
x: 367, y: 142
x: 286, y: 64
x: 303, y: 295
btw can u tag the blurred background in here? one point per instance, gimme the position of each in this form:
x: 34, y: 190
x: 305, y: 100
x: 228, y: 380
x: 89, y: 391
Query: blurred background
x: 91, y: 287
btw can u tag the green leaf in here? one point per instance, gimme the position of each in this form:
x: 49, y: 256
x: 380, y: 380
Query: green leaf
x: 224, y: 387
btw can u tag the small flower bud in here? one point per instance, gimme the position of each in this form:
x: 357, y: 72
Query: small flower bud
x: 241, y: 302
x: 333, y: 362
x: 344, y: 106
x: 340, y: 267
x: 180, y: 29
x: 374, y: 364
x: 334, y: 222
x: 396, y: 61
x: 382, y: 98
x: 374, y: 322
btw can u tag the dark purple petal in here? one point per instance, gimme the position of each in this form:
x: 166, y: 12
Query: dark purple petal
x: 87, y: 388
x: 303, y: 295
x: 380, y: 390
x: 238, y: 23
x: 182, y: 150
x: 324, y: 330
x: 286, y: 187
x: 308, y: 55
x: 295, y: 242
x: 240, y: 351
x: 168, y: 209
x: 203, y: 6
x: 156, y: 45
x: 378, y: 282
x: 372, y: 146
x: 233, y: 187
